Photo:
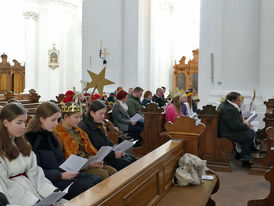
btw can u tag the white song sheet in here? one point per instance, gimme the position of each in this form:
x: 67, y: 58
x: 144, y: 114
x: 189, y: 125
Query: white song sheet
x: 53, y: 197
x: 75, y: 163
x: 136, y: 117
x: 123, y: 146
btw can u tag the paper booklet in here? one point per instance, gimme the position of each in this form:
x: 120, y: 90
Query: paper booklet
x: 124, y: 146
x: 75, y: 163
x: 53, y: 197
x: 136, y: 117
x: 252, y: 117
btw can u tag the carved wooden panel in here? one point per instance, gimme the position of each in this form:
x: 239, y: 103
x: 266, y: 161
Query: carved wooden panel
x: 269, y: 176
x: 12, y: 77
x: 212, y: 148
x: 186, y: 75
x: 185, y: 128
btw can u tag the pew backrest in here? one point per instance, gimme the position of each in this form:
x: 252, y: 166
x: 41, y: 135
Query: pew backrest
x: 147, y: 180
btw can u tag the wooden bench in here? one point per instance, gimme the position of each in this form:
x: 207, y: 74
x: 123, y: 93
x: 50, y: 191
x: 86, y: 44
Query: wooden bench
x: 148, y: 181
x: 152, y: 129
x: 269, y: 176
x: 264, y: 163
x: 211, y: 148
x: 185, y: 128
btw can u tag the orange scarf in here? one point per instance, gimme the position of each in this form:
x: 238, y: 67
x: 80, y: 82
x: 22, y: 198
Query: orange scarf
x: 70, y: 145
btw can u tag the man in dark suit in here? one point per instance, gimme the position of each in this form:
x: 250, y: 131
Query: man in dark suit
x: 158, y: 97
x: 232, y: 126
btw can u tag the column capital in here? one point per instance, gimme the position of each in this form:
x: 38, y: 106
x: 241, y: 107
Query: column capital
x: 31, y: 14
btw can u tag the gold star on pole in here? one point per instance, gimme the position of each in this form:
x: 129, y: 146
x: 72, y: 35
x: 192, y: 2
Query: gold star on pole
x: 98, y: 81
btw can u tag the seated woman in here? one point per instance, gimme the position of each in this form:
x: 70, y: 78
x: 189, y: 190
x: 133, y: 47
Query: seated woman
x: 47, y: 147
x: 122, y: 120
x: 93, y: 124
x: 22, y: 181
x: 76, y: 141
x: 147, y: 98
x: 173, y: 109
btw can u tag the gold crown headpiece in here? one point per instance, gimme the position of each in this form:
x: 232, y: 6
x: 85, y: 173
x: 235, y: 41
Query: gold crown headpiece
x: 176, y: 93
x: 70, y: 107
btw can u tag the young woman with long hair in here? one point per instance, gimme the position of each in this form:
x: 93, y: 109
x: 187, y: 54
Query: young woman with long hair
x: 173, y: 109
x: 49, y: 151
x: 22, y: 181
x: 93, y: 124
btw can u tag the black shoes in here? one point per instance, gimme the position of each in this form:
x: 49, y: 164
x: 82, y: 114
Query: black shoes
x: 246, y: 157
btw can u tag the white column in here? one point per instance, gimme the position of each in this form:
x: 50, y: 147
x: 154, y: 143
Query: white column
x: 231, y: 31
x: 31, y: 19
x: 266, y: 72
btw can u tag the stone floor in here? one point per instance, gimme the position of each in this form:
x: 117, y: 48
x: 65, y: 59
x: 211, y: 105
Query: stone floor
x: 238, y: 187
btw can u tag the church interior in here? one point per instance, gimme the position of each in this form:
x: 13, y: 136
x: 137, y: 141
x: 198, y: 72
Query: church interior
x: 186, y: 85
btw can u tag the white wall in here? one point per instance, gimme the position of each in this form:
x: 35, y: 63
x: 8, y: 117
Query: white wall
x: 59, y: 22
x: 240, y: 35
x: 116, y: 24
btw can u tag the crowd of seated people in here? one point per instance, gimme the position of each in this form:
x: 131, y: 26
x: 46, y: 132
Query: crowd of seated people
x: 30, y: 157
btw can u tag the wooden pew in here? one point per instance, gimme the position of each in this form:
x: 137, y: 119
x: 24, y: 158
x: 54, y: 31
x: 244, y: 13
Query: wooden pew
x: 146, y: 182
x: 185, y: 128
x: 212, y: 148
x: 152, y: 129
x: 269, y: 176
x: 261, y: 165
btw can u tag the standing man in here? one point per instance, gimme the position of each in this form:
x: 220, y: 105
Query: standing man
x: 232, y: 126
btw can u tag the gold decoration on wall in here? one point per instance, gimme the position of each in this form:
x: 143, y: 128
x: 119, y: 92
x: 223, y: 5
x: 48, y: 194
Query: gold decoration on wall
x: 98, y: 81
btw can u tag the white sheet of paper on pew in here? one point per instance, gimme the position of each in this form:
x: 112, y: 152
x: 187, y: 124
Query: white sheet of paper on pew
x: 53, y: 197
x: 123, y: 146
x: 75, y: 163
x: 207, y: 177
x: 272, y: 148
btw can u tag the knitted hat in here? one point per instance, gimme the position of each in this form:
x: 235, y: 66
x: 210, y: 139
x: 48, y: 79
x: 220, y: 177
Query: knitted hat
x: 69, y: 96
x: 121, y: 94
x: 96, y: 96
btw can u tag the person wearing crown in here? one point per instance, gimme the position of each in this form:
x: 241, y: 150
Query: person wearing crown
x: 50, y: 155
x: 173, y: 109
x: 76, y: 141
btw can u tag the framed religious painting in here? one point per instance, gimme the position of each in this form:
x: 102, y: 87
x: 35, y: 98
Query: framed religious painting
x: 53, y: 57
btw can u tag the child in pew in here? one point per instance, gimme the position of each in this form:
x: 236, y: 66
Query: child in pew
x: 93, y: 124
x: 21, y: 180
x: 76, y: 141
x: 49, y: 151
x: 173, y: 109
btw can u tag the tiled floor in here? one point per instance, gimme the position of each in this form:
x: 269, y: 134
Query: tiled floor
x: 238, y: 187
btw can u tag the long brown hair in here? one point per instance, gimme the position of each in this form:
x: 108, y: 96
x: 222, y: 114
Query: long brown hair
x: 95, y: 106
x: 176, y: 103
x: 45, y: 110
x: 7, y: 149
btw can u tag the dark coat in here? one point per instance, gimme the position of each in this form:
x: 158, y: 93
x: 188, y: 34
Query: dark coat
x: 96, y: 136
x: 230, y: 121
x: 161, y: 102
x: 98, y: 139
x: 145, y: 102
x: 48, y: 153
x: 50, y: 157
